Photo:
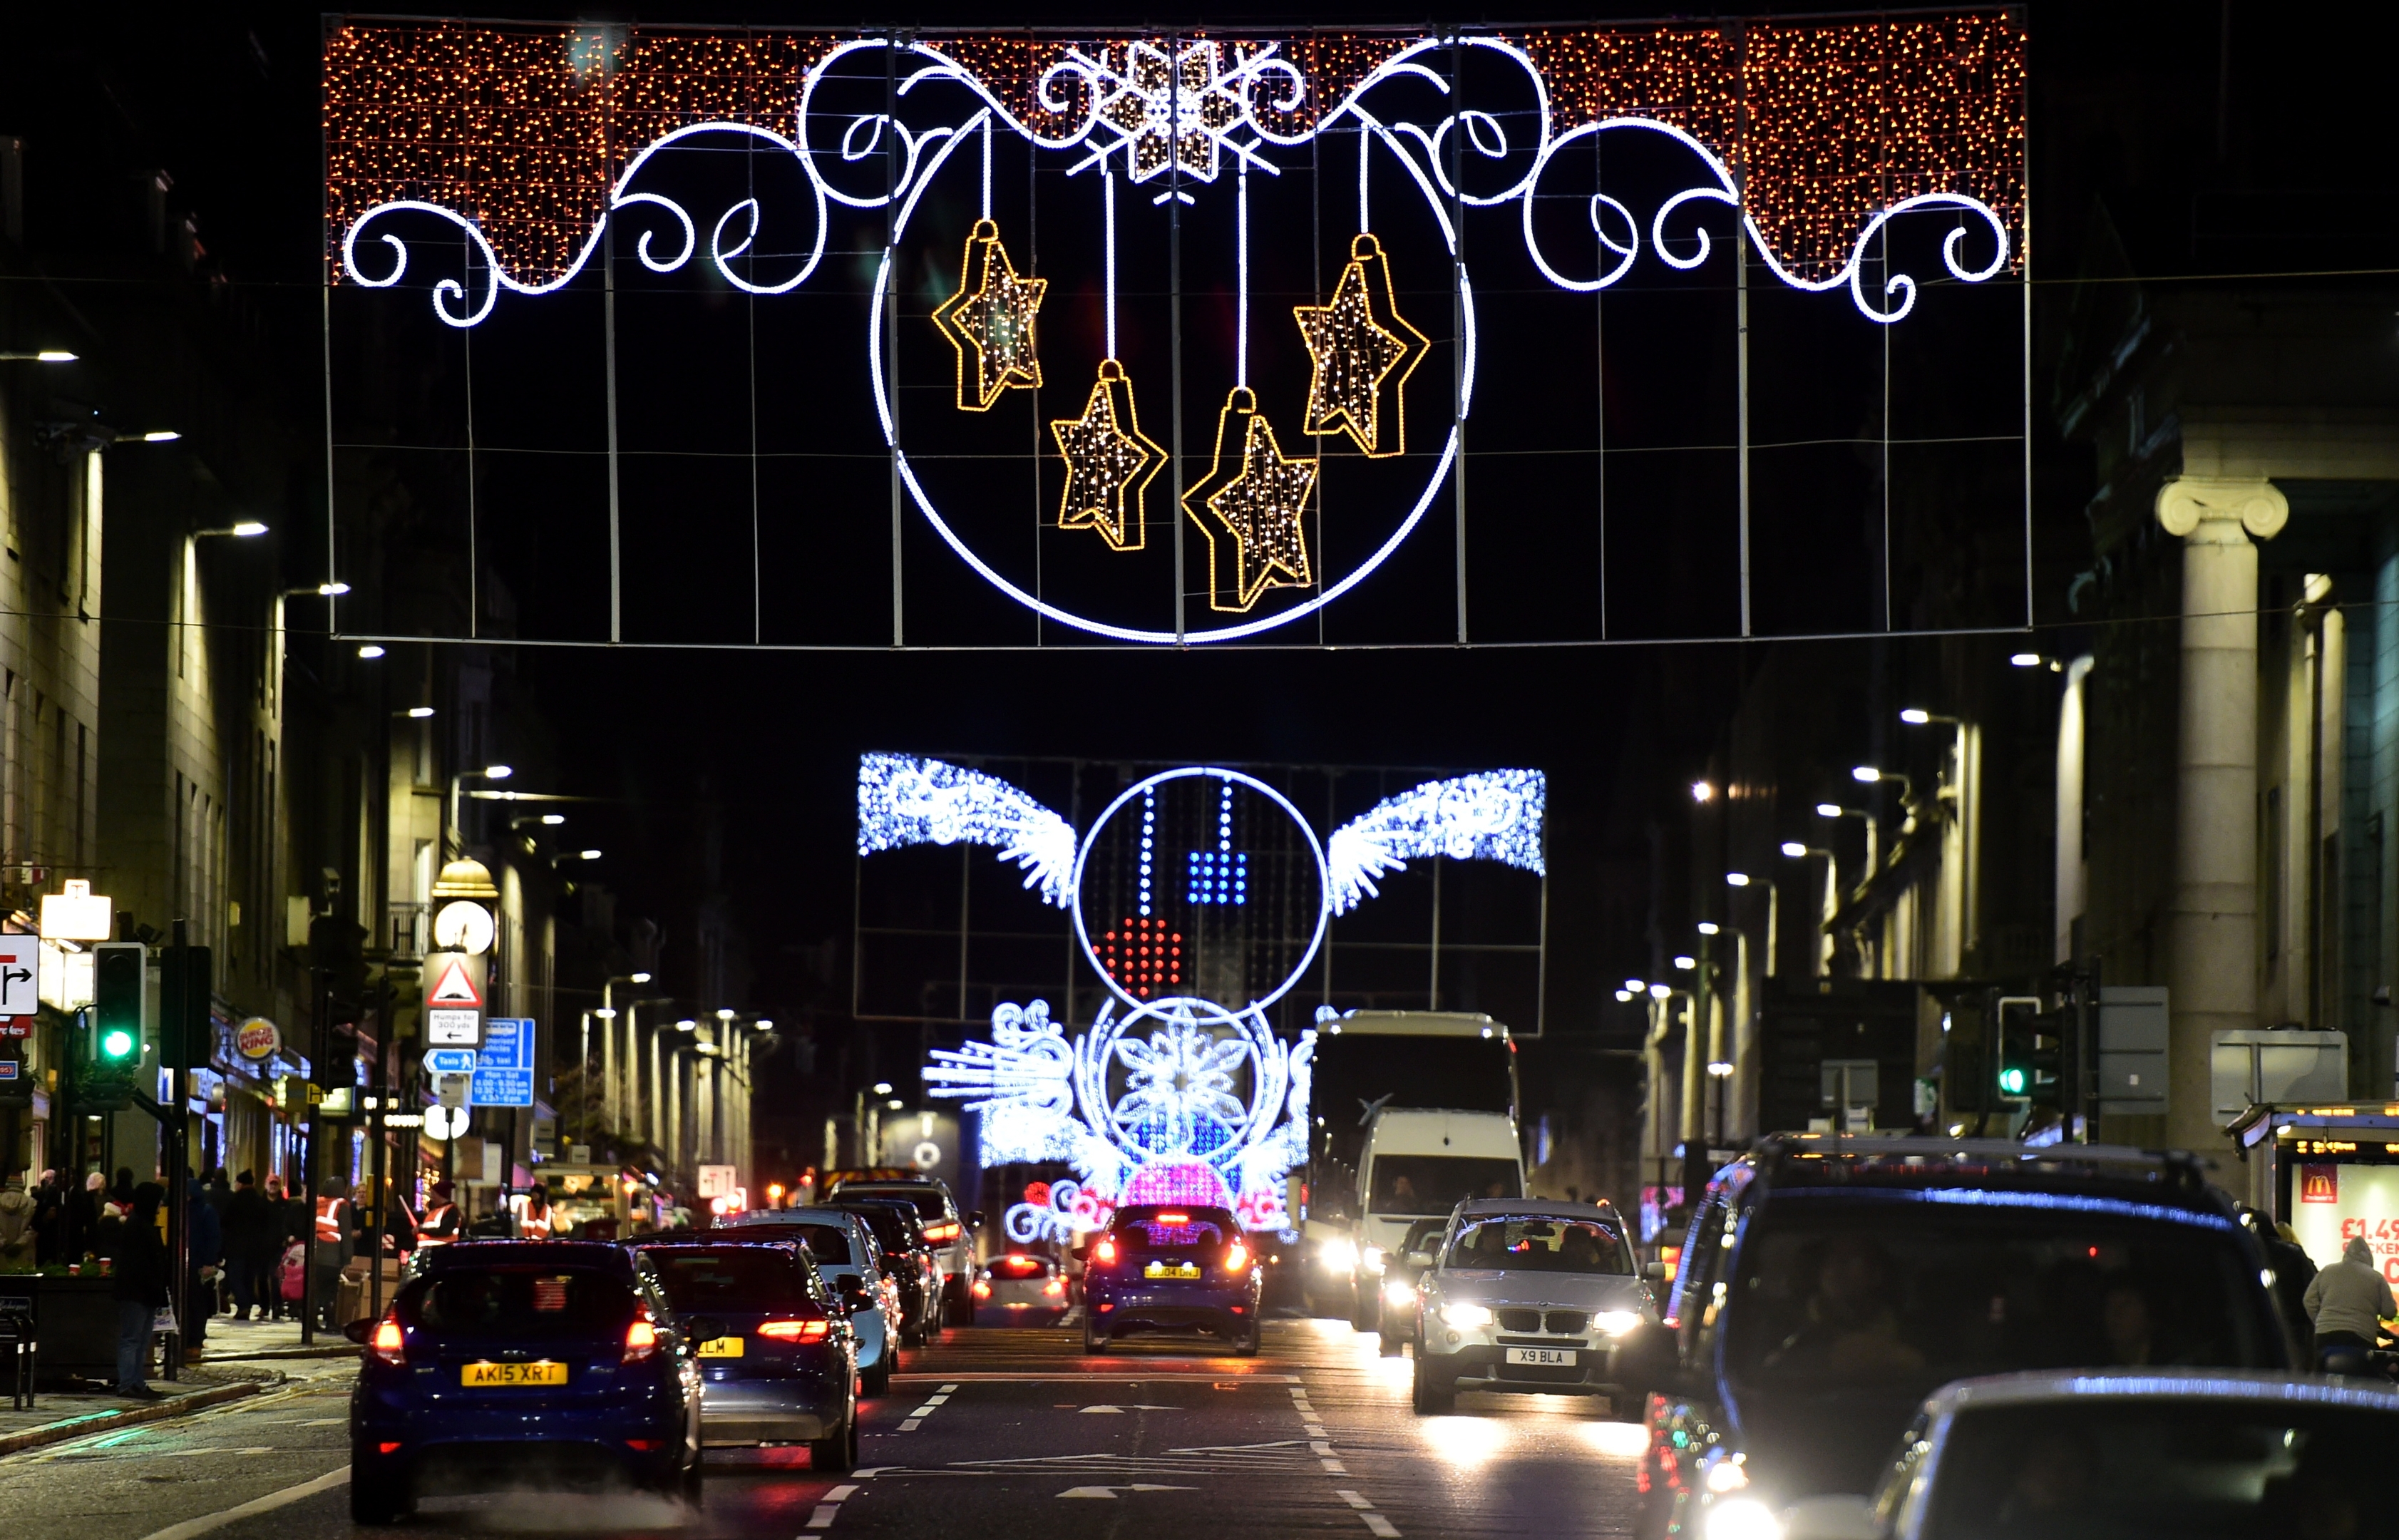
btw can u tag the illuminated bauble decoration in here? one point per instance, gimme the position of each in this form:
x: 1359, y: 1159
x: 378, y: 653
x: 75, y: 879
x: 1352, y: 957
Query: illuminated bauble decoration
x: 1109, y: 463
x: 989, y: 320
x: 464, y: 926
x: 1253, y: 508
x: 1362, y: 351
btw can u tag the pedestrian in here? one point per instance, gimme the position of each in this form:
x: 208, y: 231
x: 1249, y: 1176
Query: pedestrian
x: 50, y: 1219
x: 441, y: 1219
x: 279, y: 1224
x: 2347, y: 1302
x: 205, y: 1239
x: 248, y: 1236
x: 139, y: 1289
x: 108, y: 1216
x: 16, y: 1236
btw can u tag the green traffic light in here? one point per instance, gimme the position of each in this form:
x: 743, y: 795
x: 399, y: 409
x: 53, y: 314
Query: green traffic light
x: 117, y: 1043
x: 2011, y: 1080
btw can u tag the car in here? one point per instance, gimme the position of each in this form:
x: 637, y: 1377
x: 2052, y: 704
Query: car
x: 506, y: 1363
x: 2153, y: 1452
x: 908, y: 1258
x: 1529, y: 1296
x: 1019, y: 1288
x: 1160, y: 1268
x: 1403, y: 1279
x: 949, y: 1232
x: 778, y: 1357
x: 1830, y: 1282
x: 845, y: 1252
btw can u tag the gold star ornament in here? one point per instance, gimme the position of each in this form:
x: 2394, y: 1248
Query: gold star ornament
x: 989, y: 320
x: 1253, y: 506
x: 1364, y: 352
x: 1109, y: 463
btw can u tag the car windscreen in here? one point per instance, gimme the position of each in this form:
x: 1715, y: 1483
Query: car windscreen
x: 2138, y: 1468
x: 1907, y: 1289
x: 527, y: 1302
x: 927, y: 1201
x: 1534, y: 1244
x: 733, y: 1277
x: 1435, y: 1184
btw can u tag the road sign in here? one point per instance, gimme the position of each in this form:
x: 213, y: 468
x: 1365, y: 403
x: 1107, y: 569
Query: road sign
x: 504, y: 1067
x: 454, y: 1000
x: 715, y: 1181
x: 455, y: 987
x: 21, y: 974
x: 450, y: 1060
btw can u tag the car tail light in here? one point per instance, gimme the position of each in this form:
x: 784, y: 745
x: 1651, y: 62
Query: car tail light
x: 644, y: 1446
x: 1055, y: 1288
x: 795, y: 1331
x: 942, y: 1230
x: 1237, y: 1257
x: 1105, y: 1251
x: 390, y: 1447
x: 983, y: 1288
x: 641, y: 1339
x: 390, y: 1342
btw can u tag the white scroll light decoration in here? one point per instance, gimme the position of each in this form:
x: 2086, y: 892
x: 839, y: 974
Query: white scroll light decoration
x: 1174, y: 1099
x: 1188, y: 112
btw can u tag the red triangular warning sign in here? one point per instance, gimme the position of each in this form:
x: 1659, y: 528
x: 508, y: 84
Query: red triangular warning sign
x: 456, y: 989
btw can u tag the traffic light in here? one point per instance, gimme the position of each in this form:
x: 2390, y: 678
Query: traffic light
x: 186, y: 983
x: 113, y: 1051
x: 2016, y: 1076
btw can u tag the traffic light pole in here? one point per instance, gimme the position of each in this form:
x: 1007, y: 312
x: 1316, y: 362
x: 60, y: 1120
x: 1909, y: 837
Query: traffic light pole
x: 174, y: 1126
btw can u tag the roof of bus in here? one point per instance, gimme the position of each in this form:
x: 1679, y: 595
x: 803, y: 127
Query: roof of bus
x: 1414, y: 1023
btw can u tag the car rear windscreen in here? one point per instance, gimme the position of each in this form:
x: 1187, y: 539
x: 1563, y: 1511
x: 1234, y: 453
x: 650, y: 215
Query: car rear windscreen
x: 1019, y: 1267
x: 529, y: 1303
x: 1161, y: 1234
x: 739, y: 1278
x: 924, y: 1200
x: 895, y: 1232
x: 2137, y: 1467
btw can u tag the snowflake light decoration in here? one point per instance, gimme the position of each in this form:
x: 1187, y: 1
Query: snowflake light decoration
x: 1182, y: 109
x: 906, y: 801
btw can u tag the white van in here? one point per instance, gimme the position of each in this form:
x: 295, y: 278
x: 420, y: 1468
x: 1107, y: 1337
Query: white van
x: 1421, y: 1165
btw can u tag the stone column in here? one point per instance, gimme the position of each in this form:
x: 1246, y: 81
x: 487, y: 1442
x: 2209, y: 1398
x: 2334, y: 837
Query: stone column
x: 2212, y: 917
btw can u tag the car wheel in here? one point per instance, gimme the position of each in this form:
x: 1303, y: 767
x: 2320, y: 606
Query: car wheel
x: 1247, y: 1347
x: 878, y: 1379
x: 837, y: 1451
x: 378, y: 1499
x: 694, y: 1481
x: 1094, y: 1339
x: 1393, y: 1345
x: 1363, y: 1317
x: 1430, y: 1398
x: 961, y: 1308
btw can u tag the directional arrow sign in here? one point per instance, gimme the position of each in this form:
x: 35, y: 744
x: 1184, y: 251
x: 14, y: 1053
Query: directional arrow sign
x: 1130, y: 1406
x: 1111, y: 1492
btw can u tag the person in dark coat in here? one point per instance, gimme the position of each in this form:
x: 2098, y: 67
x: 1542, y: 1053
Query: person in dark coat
x: 249, y: 1238
x: 205, y: 1239
x: 139, y: 1289
x: 50, y: 1219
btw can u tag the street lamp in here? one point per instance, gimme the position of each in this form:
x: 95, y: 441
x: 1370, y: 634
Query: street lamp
x: 1703, y: 792
x: 1866, y: 775
x: 2026, y: 660
x: 883, y: 1087
x: 1736, y: 879
x: 247, y: 529
x: 1685, y: 965
x: 1915, y: 717
x: 1719, y: 1072
x: 47, y: 356
x: 489, y: 772
x: 1708, y: 927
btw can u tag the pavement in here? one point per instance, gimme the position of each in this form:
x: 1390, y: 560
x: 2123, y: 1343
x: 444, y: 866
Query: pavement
x: 238, y: 1359
x: 1004, y: 1432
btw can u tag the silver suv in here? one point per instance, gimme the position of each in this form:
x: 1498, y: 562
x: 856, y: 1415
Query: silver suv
x: 950, y: 1233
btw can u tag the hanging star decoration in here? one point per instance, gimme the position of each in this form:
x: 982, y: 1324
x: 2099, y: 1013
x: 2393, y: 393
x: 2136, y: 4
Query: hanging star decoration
x: 1109, y: 463
x: 1364, y: 352
x: 1254, y: 506
x: 990, y: 318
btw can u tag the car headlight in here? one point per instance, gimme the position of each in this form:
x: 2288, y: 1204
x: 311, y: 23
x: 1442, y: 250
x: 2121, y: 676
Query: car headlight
x: 1615, y: 1323
x: 1339, y: 1256
x: 1371, y: 1259
x: 1399, y: 1294
x: 1466, y: 1317
x: 1742, y: 1519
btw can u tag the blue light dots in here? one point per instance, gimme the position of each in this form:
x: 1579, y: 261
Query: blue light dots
x: 1221, y: 876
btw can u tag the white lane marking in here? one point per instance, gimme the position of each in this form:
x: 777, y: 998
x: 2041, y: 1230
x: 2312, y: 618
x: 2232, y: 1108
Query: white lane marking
x: 1316, y: 1430
x: 924, y: 1411
x: 1381, y: 1526
x: 1336, y: 1467
x: 948, y: 1388
x: 842, y: 1492
x: 911, y: 1424
x: 1319, y: 1447
x: 1354, y: 1499
x: 1111, y: 1492
x: 825, y: 1514
x: 935, y: 1400
x: 190, y: 1529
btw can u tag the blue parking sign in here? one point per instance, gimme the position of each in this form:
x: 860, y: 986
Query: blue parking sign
x: 504, y: 1065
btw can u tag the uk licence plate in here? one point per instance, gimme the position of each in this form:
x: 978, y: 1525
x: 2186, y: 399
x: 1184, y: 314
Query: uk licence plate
x: 489, y: 1376
x: 1543, y: 1357
x: 722, y: 1348
x: 1171, y: 1270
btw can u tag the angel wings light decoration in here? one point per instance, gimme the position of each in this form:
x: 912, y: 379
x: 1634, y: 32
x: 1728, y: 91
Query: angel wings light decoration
x: 1200, y: 896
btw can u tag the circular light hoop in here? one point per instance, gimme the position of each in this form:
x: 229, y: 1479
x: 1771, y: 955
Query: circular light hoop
x: 1315, y: 848
x: 918, y: 178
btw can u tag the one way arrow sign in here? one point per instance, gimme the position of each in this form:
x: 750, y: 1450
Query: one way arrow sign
x: 20, y: 963
x: 1111, y: 1492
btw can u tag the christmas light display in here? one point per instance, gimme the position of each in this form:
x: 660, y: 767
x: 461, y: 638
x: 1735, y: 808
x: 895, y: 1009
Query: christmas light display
x: 1167, y: 1098
x: 991, y: 316
x: 1251, y: 505
x: 1109, y: 463
x: 1363, y: 352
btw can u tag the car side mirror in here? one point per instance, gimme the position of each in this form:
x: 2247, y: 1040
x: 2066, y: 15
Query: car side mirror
x: 359, y: 1330
x: 1654, y: 1271
x: 974, y: 1219
x: 1418, y: 1259
x: 1837, y: 1516
x: 1647, y: 1362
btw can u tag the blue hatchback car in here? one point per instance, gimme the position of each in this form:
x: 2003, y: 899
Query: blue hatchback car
x: 1162, y: 1268
x: 508, y: 1362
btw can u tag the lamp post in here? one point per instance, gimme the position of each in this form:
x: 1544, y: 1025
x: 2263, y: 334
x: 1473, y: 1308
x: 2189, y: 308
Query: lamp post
x: 453, y: 842
x: 1720, y: 1071
x: 607, y: 1014
x: 1872, y: 828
